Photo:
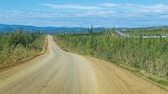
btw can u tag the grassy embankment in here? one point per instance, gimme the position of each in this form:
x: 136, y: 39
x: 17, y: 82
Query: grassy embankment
x: 17, y: 46
x: 147, y: 57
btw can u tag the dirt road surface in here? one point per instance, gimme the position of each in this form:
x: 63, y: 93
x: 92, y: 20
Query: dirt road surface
x: 59, y: 72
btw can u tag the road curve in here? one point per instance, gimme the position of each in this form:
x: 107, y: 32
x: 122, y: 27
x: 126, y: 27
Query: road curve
x: 59, y: 72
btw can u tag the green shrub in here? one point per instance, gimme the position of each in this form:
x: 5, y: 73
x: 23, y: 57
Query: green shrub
x: 149, y: 55
x: 19, y: 45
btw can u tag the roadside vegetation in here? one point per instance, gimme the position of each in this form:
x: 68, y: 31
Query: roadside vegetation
x: 147, y: 32
x: 148, y: 56
x: 19, y: 45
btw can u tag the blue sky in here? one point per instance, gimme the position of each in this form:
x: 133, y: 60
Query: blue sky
x: 73, y: 13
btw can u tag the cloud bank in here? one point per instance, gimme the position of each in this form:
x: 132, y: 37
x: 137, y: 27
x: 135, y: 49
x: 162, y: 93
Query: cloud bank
x: 103, y: 15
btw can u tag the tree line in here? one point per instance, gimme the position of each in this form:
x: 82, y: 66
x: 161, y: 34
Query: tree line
x: 19, y: 45
x: 148, y: 55
x: 147, y: 32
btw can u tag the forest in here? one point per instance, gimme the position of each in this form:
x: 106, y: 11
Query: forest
x: 148, y: 55
x: 19, y: 45
x: 160, y: 31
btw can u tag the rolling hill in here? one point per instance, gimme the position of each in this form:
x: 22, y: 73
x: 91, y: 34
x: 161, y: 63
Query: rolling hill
x: 46, y: 30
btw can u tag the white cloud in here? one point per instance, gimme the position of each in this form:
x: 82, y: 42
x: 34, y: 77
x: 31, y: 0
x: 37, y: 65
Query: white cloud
x: 106, y: 7
x: 70, y: 6
x: 158, y: 8
x: 100, y: 14
x: 110, y: 5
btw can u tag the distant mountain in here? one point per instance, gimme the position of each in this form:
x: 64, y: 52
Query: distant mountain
x: 46, y: 30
